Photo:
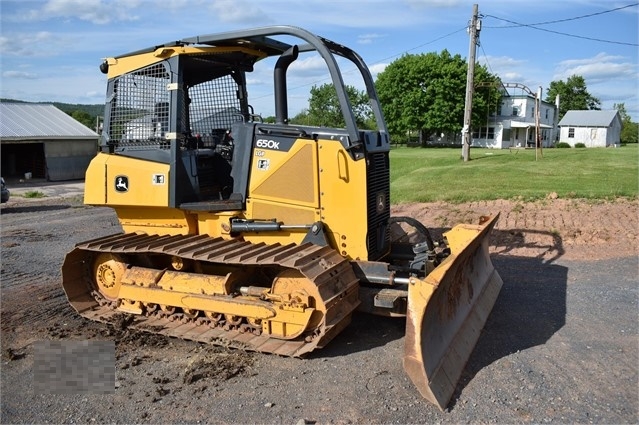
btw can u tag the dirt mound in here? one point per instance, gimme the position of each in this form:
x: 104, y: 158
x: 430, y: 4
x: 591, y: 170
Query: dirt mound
x: 218, y: 363
x: 548, y: 229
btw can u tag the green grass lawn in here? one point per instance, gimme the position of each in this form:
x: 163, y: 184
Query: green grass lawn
x: 426, y: 175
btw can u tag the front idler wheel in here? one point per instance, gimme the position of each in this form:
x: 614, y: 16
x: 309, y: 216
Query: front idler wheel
x: 108, y: 270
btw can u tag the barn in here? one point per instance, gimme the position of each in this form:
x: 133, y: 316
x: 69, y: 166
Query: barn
x: 592, y: 128
x: 41, y: 141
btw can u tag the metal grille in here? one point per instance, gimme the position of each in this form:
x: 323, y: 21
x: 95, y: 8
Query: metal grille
x: 140, y: 108
x: 378, y: 182
x: 213, y: 108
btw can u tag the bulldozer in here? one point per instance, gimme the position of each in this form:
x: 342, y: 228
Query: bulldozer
x: 266, y: 236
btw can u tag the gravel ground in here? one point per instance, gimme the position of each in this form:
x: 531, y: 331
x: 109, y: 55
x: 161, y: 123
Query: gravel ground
x: 561, y: 344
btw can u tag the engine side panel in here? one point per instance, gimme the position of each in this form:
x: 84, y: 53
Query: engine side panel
x: 118, y: 180
x: 343, y: 198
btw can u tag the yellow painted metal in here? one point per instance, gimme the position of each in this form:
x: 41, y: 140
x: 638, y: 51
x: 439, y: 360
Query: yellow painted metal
x: 95, y: 181
x: 198, y: 292
x: 447, y: 310
x: 296, y: 289
x: 142, y: 188
x: 134, y: 178
x: 158, y: 221
x: 130, y: 306
x: 142, y: 203
x: 108, y: 270
x: 122, y: 65
x: 216, y: 224
x: 284, y: 186
x: 343, y: 199
x: 237, y: 306
x: 286, y: 213
x: 287, y: 311
x: 196, y: 283
x: 315, y: 180
x: 290, y: 325
x: 288, y: 177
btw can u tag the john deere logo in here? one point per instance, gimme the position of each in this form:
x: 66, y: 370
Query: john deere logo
x: 381, y: 202
x: 121, y: 184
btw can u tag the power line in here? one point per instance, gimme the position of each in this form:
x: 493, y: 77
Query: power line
x: 566, y: 34
x: 534, y: 26
x: 486, y: 56
x: 515, y: 24
x: 352, y: 70
x: 464, y: 28
x: 568, y: 19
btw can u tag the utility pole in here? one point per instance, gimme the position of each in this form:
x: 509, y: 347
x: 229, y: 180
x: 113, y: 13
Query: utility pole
x: 538, y: 141
x: 473, y: 29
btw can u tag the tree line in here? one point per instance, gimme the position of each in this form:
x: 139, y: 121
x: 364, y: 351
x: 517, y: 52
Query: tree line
x: 426, y: 93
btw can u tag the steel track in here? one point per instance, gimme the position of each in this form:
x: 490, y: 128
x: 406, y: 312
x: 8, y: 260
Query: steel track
x: 331, y: 273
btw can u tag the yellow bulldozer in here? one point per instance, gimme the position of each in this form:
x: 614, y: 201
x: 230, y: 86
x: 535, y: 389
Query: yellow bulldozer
x: 266, y: 236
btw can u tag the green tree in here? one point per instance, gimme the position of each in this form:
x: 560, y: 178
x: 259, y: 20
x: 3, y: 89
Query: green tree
x: 84, y: 118
x: 573, y: 95
x: 301, y: 118
x: 426, y: 92
x: 270, y: 119
x: 324, y: 109
x: 629, y: 129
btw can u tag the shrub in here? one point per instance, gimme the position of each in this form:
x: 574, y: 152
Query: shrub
x: 580, y: 145
x: 563, y: 145
x: 33, y: 194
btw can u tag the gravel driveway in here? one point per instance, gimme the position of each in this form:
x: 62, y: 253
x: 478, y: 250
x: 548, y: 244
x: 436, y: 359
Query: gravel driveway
x: 561, y: 344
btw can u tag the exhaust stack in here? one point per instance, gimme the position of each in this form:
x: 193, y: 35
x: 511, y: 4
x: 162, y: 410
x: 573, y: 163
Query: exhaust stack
x: 279, y: 83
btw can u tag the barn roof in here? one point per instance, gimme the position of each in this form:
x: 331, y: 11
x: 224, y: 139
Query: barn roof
x: 588, y: 118
x: 23, y: 121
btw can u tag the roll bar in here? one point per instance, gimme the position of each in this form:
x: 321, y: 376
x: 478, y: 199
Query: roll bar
x: 260, y: 39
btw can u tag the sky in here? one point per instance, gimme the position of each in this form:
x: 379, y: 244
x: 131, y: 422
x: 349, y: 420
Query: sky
x: 50, y: 50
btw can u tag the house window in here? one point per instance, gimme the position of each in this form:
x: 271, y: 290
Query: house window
x: 547, y: 110
x: 571, y: 133
x: 515, y: 111
x: 484, y: 133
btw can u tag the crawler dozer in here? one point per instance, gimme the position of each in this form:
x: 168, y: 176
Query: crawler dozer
x: 266, y: 236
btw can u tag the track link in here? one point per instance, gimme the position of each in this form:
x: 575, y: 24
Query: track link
x: 329, y: 271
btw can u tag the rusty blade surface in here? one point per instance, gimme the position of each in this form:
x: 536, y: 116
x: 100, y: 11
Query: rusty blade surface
x: 447, y: 311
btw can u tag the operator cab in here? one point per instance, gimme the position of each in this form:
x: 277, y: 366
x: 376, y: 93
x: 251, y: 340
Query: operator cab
x: 188, y: 107
x: 197, y: 106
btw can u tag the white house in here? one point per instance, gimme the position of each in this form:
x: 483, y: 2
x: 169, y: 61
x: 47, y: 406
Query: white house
x: 592, y: 128
x: 513, y: 124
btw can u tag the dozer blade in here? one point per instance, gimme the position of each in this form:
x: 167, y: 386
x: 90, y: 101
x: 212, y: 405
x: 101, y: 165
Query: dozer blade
x: 448, y: 309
